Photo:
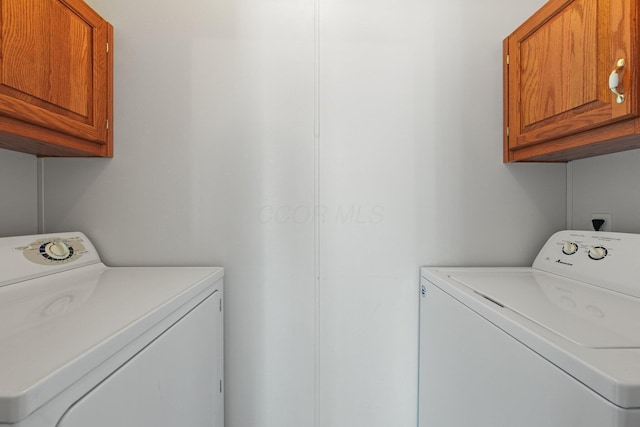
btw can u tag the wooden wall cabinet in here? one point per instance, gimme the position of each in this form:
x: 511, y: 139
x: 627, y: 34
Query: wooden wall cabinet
x: 56, y: 79
x: 558, y: 67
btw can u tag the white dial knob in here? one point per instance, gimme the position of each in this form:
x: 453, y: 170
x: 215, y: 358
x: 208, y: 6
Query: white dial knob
x: 57, y: 250
x: 569, y: 248
x: 597, y: 252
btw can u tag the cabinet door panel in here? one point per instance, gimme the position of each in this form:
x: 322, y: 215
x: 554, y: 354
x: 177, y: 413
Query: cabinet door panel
x: 560, y: 61
x: 551, y: 82
x: 54, y: 66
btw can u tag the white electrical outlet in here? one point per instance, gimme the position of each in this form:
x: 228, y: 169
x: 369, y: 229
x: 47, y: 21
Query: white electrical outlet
x: 608, y: 221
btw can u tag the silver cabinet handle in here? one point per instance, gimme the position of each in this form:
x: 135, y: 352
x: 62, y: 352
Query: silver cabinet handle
x: 614, y: 80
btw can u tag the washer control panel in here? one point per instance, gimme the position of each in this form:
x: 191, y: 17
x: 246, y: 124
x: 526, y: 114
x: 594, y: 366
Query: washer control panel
x: 569, y: 248
x: 605, y: 259
x: 593, y: 252
x: 597, y: 252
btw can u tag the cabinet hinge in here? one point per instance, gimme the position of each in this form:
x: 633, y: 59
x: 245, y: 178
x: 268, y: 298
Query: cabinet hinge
x: 220, y: 304
x: 107, y: 124
x: 507, y: 131
x: 508, y: 60
x: 107, y: 47
x: 220, y: 386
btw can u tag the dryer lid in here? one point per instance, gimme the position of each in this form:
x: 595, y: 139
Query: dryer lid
x: 581, y: 313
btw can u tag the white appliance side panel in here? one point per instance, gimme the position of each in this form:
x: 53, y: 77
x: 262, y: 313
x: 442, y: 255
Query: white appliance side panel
x: 174, y: 381
x: 474, y: 374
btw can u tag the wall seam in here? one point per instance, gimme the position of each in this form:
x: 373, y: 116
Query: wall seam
x: 40, y: 195
x: 569, y: 190
x: 317, y: 202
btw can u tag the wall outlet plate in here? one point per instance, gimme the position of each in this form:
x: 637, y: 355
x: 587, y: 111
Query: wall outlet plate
x: 608, y: 221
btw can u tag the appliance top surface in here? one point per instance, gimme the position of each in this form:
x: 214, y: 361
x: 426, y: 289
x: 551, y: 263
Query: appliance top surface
x: 587, y: 315
x: 583, y: 286
x: 578, y: 306
x: 558, y: 319
x: 57, y: 327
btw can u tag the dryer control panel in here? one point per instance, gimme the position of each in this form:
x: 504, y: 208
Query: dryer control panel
x: 27, y: 257
x: 54, y: 250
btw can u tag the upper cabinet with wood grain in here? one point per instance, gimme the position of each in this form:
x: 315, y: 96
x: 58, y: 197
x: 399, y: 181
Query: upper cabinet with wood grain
x: 571, y: 82
x: 56, y: 75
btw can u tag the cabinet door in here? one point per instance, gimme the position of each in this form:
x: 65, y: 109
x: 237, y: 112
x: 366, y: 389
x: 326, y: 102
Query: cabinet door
x: 559, y: 64
x: 53, y: 70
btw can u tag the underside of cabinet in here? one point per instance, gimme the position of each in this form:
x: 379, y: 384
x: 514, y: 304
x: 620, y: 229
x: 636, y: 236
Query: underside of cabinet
x: 613, y: 138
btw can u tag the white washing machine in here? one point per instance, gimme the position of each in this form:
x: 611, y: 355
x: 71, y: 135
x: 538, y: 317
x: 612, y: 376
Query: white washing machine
x: 83, y: 344
x: 554, y: 345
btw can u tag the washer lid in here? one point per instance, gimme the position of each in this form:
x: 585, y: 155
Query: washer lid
x: 584, y: 314
x: 58, y: 328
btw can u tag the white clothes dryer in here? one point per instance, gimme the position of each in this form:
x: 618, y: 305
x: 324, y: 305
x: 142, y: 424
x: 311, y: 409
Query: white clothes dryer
x: 83, y: 344
x: 555, y: 345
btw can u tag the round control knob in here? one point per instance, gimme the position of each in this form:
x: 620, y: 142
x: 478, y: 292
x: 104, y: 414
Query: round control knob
x: 597, y: 252
x: 569, y: 248
x: 57, y: 250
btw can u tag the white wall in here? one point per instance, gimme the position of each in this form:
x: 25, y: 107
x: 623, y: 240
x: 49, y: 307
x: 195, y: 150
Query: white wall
x: 213, y: 128
x: 234, y: 118
x: 411, y: 144
x: 606, y: 184
x: 19, y: 194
